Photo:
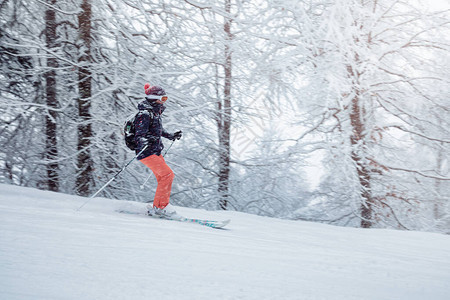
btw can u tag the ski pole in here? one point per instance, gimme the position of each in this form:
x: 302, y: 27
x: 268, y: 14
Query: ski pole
x: 114, y: 177
x: 168, y: 148
x: 148, y: 178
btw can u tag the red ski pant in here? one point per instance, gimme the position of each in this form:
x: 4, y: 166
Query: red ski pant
x: 164, y: 175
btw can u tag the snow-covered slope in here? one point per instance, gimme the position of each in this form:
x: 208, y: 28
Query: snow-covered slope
x: 48, y: 250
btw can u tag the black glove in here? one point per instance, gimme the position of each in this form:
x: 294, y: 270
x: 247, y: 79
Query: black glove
x: 177, y: 135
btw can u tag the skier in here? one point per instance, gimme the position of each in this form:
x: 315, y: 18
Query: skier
x: 149, y: 130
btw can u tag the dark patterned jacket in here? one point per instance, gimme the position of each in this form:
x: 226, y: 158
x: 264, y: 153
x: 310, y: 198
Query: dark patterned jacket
x: 149, y: 129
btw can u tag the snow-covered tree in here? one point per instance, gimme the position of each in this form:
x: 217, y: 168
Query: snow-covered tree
x: 381, y: 128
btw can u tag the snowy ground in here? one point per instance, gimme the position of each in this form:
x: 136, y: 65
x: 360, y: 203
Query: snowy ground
x: 48, y: 250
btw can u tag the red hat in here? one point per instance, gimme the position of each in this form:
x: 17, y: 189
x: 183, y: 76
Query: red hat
x: 155, y: 91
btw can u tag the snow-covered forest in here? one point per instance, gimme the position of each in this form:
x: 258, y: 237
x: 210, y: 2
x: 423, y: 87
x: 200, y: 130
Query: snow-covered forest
x: 334, y: 111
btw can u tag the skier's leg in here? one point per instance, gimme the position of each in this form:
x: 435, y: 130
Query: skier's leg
x: 164, y: 175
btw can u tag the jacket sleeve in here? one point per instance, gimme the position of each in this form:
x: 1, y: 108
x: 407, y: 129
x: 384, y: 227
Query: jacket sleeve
x: 166, y: 134
x: 141, y: 125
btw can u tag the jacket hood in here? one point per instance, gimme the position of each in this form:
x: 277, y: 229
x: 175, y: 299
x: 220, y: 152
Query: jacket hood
x: 153, y: 106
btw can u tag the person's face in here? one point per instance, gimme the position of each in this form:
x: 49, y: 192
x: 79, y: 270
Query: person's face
x: 162, y: 100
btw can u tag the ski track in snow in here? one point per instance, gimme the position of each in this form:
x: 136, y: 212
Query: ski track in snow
x: 49, y: 250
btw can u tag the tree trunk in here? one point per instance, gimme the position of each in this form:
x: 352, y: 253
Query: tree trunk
x: 358, y: 157
x: 85, y: 164
x: 438, y: 208
x: 51, y: 101
x: 225, y: 116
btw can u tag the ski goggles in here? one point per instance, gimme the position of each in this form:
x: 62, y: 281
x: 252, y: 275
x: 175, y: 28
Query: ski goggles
x: 155, y: 97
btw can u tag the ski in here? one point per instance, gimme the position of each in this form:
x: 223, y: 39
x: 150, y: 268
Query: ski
x: 207, y: 223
